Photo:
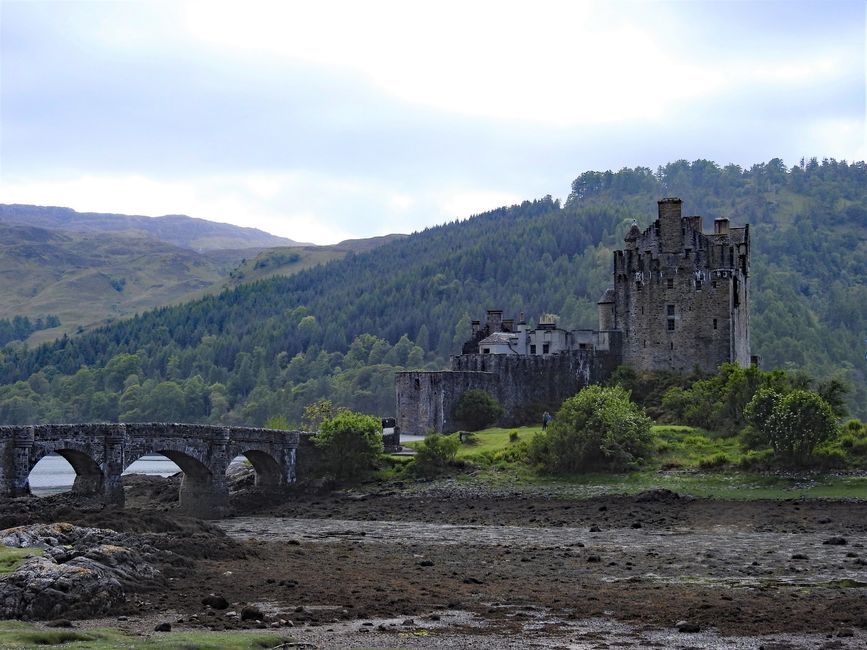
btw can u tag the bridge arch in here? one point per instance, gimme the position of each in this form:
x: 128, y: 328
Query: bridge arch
x: 269, y: 472
x: 199, y: 490
x: 89, y: 476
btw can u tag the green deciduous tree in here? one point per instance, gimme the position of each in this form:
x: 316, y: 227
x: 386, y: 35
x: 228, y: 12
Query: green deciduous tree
x: 599, y: 428
x: 350, y: 443
x: 794, y: 423
x: 476, y: 409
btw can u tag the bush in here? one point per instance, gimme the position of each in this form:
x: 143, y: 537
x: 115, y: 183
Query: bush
x: 434, y: 453
x: 513, y: 436
x: 794, y: 423
x: 599, y: 428
x: 477, y: 409
x: 350, y: 443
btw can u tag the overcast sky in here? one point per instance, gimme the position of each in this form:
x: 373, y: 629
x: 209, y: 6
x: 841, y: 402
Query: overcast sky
x: 326, y: 120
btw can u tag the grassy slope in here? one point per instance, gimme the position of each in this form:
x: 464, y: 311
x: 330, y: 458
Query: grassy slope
x: 288, y: 260
x: 70, y: 274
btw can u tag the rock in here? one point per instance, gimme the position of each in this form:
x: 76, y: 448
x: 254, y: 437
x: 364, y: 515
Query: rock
x: 408, y: 621
x: 252, y: 613
x: 594, y: 558
x: 686, y: 627
x: 636, y: 524
x: 835, y: 541
x: 846, y: 633
x: 215, y: 602
x: 83, y: 573
x: 660, y: 495
x: 60, y: 622
x: 163, y: 627
x: 426, y: 563
x: 800, y: 556
x: 595, y: 529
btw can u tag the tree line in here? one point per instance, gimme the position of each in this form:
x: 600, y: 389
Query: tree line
x: 341, y: 330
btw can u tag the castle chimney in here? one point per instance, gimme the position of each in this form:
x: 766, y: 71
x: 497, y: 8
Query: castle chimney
x: 670, y: 228
x: 721, y: 226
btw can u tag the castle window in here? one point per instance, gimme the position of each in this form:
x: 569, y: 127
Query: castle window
x: 645, y: 343
x: 417, y: 383
x: 532, y: 349
x: 486, y: 350
x: 669, y: 309
x: 698, y: 285
x: 670, y: 324
x: 670, y: 283
x: 714, y: 323
x: 546, y: 348
x: 638, y: 285
x: 671, y: 345
x: 713, y: 284
x: 687, y: 252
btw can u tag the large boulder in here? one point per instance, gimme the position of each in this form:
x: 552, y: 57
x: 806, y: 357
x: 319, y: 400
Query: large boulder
x: 83, y: 572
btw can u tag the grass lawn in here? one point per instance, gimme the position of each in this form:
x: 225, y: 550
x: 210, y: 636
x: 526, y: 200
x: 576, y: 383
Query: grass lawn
x: 15, y: 635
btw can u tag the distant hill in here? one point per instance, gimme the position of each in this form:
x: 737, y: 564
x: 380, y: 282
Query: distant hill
x: 294, y: 259
x: 88, y: 269
x: 85, y: 278
x: 340, y: 330
x: 178, y: 230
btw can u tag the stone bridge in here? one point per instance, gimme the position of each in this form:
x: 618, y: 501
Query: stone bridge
x: 99, y: 453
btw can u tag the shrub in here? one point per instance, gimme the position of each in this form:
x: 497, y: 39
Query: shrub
x: 434, y: 453
x: 477, y: 409
x: 714, y: 461
x: 513, y: 436
x: 599, y: 428
x: 350, y: 443
x: 794, y: 423
x: 517, y: 453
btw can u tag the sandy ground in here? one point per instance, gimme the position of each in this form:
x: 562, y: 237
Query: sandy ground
x: 470, y: 567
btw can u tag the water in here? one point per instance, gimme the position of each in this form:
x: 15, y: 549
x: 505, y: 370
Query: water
x: 54, y: 474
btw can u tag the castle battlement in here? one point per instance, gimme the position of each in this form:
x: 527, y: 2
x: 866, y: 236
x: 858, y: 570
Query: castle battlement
x: 679, y: 301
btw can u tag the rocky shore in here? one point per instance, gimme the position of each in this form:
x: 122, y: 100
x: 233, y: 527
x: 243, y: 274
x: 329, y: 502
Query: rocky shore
x: 492, y: 563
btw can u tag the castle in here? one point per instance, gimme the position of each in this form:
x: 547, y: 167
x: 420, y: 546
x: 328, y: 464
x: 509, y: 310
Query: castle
x: 679, y: 302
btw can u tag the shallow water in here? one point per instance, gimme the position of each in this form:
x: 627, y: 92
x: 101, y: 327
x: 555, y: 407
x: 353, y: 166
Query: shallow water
x: 54, y: 474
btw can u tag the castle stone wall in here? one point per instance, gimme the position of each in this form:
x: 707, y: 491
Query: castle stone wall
x: 525, y: 386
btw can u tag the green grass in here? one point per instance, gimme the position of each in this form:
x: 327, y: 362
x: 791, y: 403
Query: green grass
x: 11, y: 558
x: 689, y: 461
x: 493, y: 440
x: 15, y: 635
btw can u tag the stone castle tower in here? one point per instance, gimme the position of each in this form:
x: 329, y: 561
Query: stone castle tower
x: 680, y: 296
x: 679, y: 302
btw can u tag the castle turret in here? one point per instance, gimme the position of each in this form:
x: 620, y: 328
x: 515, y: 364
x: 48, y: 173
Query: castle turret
x: 670, y: 228
x: 606, y: 310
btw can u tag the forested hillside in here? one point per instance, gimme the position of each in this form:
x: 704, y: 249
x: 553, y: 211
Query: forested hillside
x: 341, y: 330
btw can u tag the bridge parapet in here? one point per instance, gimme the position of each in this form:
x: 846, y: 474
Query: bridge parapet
x: 100, y: 452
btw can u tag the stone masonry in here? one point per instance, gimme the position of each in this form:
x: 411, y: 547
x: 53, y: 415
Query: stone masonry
x: 680, y: 301
x: 99, y: 453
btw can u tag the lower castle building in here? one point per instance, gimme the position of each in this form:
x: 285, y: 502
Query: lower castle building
x: 679, y: 301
